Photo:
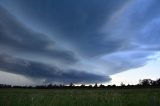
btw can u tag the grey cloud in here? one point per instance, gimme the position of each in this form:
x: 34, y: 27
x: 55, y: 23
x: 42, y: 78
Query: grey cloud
x: 126, y: 60
x: 78, y: 22
x: 16, y: 37
x: 137, y: 27
x: 50, y: 74
x: 130, y: 35
x: 137, y: 24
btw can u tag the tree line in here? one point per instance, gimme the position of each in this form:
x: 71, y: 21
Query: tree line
x: 145, y: 83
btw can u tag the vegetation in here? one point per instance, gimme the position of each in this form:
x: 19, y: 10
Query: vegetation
x: 145, y: 83
x: 80, y: 97
x: 146, y: 93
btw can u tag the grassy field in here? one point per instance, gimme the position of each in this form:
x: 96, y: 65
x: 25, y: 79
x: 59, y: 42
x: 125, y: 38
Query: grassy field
x: 80, y: 97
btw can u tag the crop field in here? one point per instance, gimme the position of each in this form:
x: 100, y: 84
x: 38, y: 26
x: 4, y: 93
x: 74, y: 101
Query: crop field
x: 80, y: 97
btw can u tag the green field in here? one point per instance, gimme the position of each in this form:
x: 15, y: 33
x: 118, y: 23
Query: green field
x: 80, y: 97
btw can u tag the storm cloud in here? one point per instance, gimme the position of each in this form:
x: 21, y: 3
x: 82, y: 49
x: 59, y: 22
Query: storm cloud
x: 16, y: 37
x: 49, y: 74
x: 90, y: 39
x: 16, y: 40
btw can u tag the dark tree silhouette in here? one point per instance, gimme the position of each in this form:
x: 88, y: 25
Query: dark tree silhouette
x: 122, y: 84
x: 71, y: 85
x: 90, y: 86
x: 95, y: 86
x: 146, y: 82
x: 158, y: 82
x: 102, y: 86
x: 142, y: 84
x: 83, y: 86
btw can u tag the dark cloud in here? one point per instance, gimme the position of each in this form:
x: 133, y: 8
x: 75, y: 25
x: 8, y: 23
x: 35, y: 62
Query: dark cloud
x: 50, y: 74
x: 109, y: 36
x: 126, y: 60
x: 74, y: 18
x: 16, y: 37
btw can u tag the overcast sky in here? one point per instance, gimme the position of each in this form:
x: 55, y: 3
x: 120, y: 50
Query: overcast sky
x: 79, y: 41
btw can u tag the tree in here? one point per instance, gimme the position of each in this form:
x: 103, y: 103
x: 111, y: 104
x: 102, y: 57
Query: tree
x: 145, y: 82
x: 90, y: 86
x: 95, y: 86
x: 83, y: 86
x: 71, y: 85
x: 158, y: 82
x: 122, y: 84
x: 102, y: 86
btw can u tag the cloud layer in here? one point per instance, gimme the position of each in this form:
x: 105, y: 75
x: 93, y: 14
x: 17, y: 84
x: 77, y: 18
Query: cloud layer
x: 81, y: 41
x: 49, y: 74
x: 17, y: 41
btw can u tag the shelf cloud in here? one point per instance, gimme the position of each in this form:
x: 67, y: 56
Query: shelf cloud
x: 77, y: 41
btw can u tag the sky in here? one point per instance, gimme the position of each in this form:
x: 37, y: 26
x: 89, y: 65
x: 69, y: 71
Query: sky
x: 79, y: 41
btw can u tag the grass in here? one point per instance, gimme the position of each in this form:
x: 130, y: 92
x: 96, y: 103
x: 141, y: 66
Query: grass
x: 80, y: 97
